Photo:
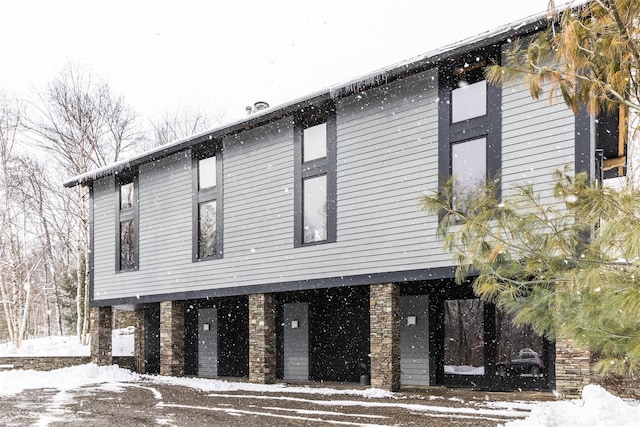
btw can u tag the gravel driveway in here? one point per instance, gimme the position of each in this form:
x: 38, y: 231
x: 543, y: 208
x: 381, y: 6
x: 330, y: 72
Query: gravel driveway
x: 145, y: 403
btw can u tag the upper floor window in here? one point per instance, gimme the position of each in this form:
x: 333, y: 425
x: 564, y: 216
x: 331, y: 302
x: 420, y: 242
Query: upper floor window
x: 314, y: 140
x: 315, y: 176
x: 207, y: 204
x: 468, y: 100
x: 470, y: 126
x: 127, y: 223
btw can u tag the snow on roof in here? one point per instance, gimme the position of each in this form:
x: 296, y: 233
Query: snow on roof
x: 376, y: 78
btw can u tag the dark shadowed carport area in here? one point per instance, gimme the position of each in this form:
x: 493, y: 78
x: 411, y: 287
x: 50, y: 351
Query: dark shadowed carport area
x: 148, y: 403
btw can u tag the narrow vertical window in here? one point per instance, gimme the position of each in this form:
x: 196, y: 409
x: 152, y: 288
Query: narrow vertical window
x: 207, y: 236
x: 315, y: 177
x: 469, y: 126
x: 127, y: 226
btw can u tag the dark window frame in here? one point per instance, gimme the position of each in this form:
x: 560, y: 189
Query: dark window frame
x: 127, y: 214
x: 327, y: 166
x: 205, y: 196
x: 488, y: 126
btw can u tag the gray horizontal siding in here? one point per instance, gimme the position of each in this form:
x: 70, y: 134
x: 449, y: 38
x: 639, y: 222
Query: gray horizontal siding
x: 159, y: 195
x: 385, y: 163
x: 387, y: 152
x: 537, y: 139
x: 387, y: 158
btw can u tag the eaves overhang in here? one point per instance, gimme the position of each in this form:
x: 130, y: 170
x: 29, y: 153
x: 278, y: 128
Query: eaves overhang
x: 376, y: 78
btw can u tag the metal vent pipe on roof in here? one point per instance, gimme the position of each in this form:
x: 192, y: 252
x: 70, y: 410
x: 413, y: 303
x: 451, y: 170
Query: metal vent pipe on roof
x: 257, y: 106
x: 260, y: 105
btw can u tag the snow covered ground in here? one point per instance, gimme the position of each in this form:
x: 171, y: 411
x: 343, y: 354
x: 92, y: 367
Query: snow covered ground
x: 122, y: 345
x: 596, y: 408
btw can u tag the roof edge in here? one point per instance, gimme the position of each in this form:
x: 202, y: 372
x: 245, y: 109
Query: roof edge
x: 376, y: 78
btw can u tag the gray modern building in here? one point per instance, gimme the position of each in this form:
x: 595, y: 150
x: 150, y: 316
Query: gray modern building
x: 290, y: 246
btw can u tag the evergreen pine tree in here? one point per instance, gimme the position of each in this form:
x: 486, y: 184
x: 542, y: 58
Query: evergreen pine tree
x: 569, y: 269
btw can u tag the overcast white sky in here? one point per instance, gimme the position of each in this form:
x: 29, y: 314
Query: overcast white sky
x: 213, y: 55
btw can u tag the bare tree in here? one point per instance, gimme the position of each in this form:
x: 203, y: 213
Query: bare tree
x: 80, y: 125
x: 84, y: 126
x: 15, y: 293
x: 83, y: 123
x: 42, y: 196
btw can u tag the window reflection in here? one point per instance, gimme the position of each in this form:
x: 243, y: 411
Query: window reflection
x: 127, y: 245
x: 464, y: 337
x: 518, y: 349
x: 468, y: 167
x: 315, y: 209
x: 207, y: 229
x: 126, y: 196
x: 469, y: 101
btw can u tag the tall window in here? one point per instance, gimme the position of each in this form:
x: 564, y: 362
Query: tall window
x: 469, y: 169
x: 127, y: 227
x: 470, y: 123
x: 207, y: 230
x: 315, y: 175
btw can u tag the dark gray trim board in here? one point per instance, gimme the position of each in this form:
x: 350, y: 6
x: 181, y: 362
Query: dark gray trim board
x: 584, y: 142
x: 91, y: 242
x: 488, y: 126
x: 302, y: 285
x: 325, y: 166
x: 130, y: 214
x: 217, y: 194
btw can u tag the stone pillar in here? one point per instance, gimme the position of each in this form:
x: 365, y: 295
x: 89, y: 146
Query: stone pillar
x: 385, y: 336
x: 172, y: 333
x: 139, y: 343
x: 573, y: 370
x: 262, y: 338
x: 101, y: 319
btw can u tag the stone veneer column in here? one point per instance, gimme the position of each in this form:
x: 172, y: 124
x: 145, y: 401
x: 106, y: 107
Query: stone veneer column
x: 385, y: 336
x: 101, y: 319
x: 573, y: 368
x: 172, y: 338
x: 139, y: 344
x: 262, y: 338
